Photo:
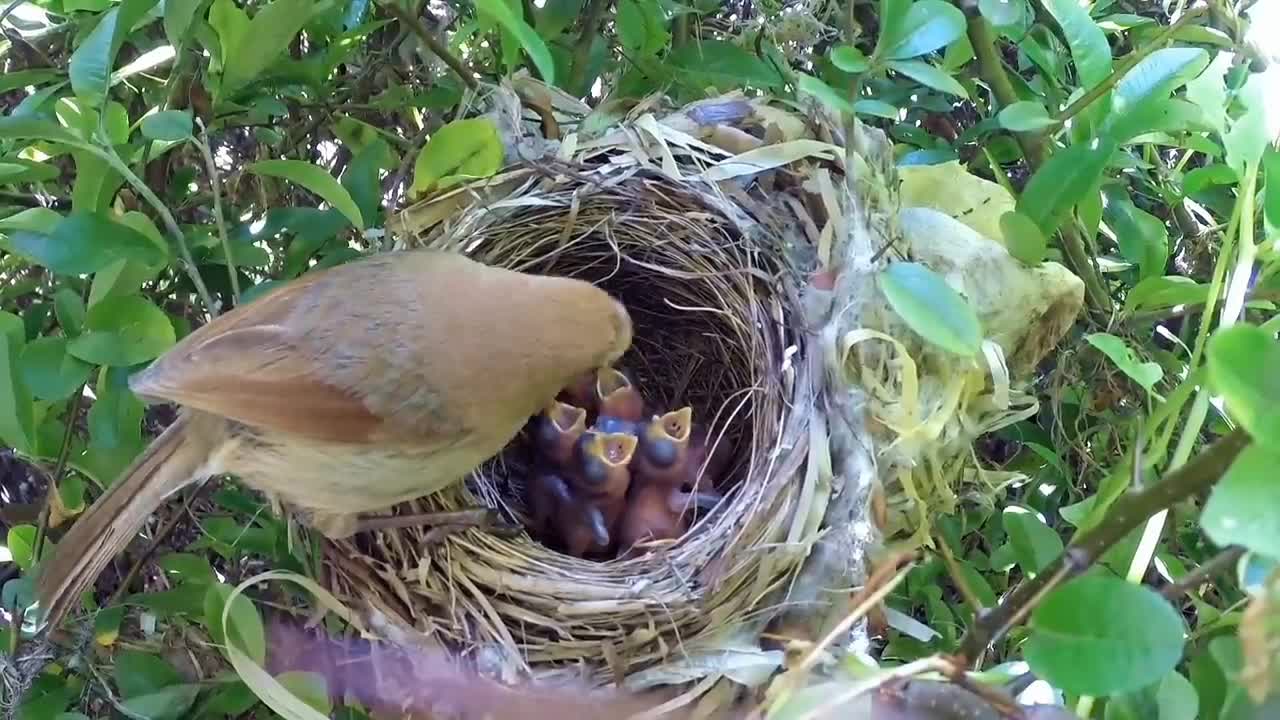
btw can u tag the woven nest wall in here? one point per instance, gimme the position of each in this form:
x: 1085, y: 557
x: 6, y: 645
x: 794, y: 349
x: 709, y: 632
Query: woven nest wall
x: 713, y: 299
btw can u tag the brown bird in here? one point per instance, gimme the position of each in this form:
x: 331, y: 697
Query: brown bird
x: 557, y: 431
x: 349, y: 390
x: 581, y: 392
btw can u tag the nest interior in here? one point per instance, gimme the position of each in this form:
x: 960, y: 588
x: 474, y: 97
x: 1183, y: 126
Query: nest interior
x: 711, y: 296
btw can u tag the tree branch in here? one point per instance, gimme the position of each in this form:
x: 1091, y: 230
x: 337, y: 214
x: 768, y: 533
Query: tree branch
x: 1128, y: 513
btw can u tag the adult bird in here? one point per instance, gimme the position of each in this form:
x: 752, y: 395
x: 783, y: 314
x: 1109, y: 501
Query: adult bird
x: 349, y: 390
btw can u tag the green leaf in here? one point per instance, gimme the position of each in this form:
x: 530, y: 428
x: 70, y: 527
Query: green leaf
x: 875, y: 108
x: 849, y: 59
x: 1034, y: 543
x: 1025, y: 116
x: 20, y: 170
x: 91, y: 63
x: 1250, y: 133
x: 252, y: 47
x: 1173, y: 698
x: 1089, y: 48
x: 1023, y: 237
x: 642, y: 27
x: 1244, y: 367
x: 34, y: 129
x: 170, y: 125
x: 1271, y: 193
x: 722, y: 65
x: 927, y: 26
x: 188, y: 568
x: 1209, y: 92
x: 361, y: 178
x: 315, y: 179
x: 1142, y: 237
x: 1146, y: 374
x: 85, y: 242
x: 929, y: 75
x: 1244, y: 507
x: 308, y: 687
x: 931, y: 307
x: 70, y: 311
x: 1062, y: 182
x: 1101, y: 636
x: 142, y: 673
x: 830, y: 96
x: 49, y: 371
x: 123, y: 331
x: 500, y: 12
x: 171, y: 703
x: 461, y: 150
x: 17, y: 415
x: 1157, y: 75
x: 178, y: 15
x: 115, y: 418
x: 21, y: 541
x: 1004, y: 13
x: 106, y: 625
x: 1165, y: 292
x: 244, y: 625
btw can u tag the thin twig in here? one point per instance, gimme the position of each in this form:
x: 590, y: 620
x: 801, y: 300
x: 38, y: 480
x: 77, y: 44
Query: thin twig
x: 433, y: 44
x: 1216, y: 564
x: 1124, y: 516
x: 582, y: 51
x: 59, y: 470
x: 215, y: 182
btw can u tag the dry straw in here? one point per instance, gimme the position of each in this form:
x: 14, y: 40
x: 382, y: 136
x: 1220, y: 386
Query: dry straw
x: 708, y: 222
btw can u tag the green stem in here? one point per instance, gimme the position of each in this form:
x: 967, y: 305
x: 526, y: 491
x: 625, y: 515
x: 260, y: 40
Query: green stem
x: 1122, y: 68
x: 170, y: 223
x: 215, y: 183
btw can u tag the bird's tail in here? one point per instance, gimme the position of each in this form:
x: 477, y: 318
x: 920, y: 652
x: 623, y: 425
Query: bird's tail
x: 171, y: 461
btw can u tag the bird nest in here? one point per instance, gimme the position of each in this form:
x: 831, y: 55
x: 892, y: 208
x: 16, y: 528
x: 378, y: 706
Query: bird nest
x: 709, y: 223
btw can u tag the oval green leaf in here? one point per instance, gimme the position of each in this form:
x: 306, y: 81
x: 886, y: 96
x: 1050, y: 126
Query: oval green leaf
x: 123, y: 331
x: 462, y: 149
x: 1022, y: 237
x: 1244, y: 367
x: 17, y: 414
x: 315, y: 179
x: 1025, y: 116
x: 50, y: 371
x: 170, y: 125
x: 1146, y: 374
x: 928, y: 26
x: 849, y: 59
x: 824, y: 92
x: 85, y: 242
x: 1244, y: 507
x: 1101, y: 636
x: 926, y: 74
x: 931, y: 307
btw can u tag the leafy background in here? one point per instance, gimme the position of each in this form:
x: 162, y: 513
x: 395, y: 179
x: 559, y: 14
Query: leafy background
x: 160, y: 161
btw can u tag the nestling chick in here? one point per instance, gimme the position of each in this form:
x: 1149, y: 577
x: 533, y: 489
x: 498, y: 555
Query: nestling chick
x: 349, y: 390
x: 581, y: 392
x: 658, y: 512
x: 557, y: 430
x: 601, y: 473
x: 673, y: 451
x: 560, y: 513
x: 619, y: 398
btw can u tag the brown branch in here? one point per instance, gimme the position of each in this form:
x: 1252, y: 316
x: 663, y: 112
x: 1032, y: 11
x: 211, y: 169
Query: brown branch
x: 1129, y: 512
x: 433, y: 43
x: 1216, y: 564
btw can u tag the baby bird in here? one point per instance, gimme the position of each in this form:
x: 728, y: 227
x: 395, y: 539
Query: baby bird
x: 557, y: 512
x: 601, y: 474
x: 658, y: 512
x: 620, y: 406
x: 557, y: 431
x: 348, y: 391
x: 673, y: 451
x: 581, y: 392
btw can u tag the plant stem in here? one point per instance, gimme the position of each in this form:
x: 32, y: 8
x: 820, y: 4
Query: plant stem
x: 1125, y: 515
x: 170, y: 223
x: 433, y: 43
x: 582, y: 51
x: 1122, y: 68
x: 215, y: 183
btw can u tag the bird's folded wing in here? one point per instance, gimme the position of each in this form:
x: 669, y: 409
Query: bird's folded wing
x: 245, y: 366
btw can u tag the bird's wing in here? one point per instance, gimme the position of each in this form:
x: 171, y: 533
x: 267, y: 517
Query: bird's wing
x: 247, y: 366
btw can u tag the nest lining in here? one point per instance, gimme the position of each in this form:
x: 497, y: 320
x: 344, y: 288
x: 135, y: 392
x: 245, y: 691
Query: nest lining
x: 712, y: 300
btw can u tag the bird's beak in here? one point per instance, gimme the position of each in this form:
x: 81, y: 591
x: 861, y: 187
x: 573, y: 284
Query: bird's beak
x: 614, y: 449
x: 677, y: 423
x: 609, y: 381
